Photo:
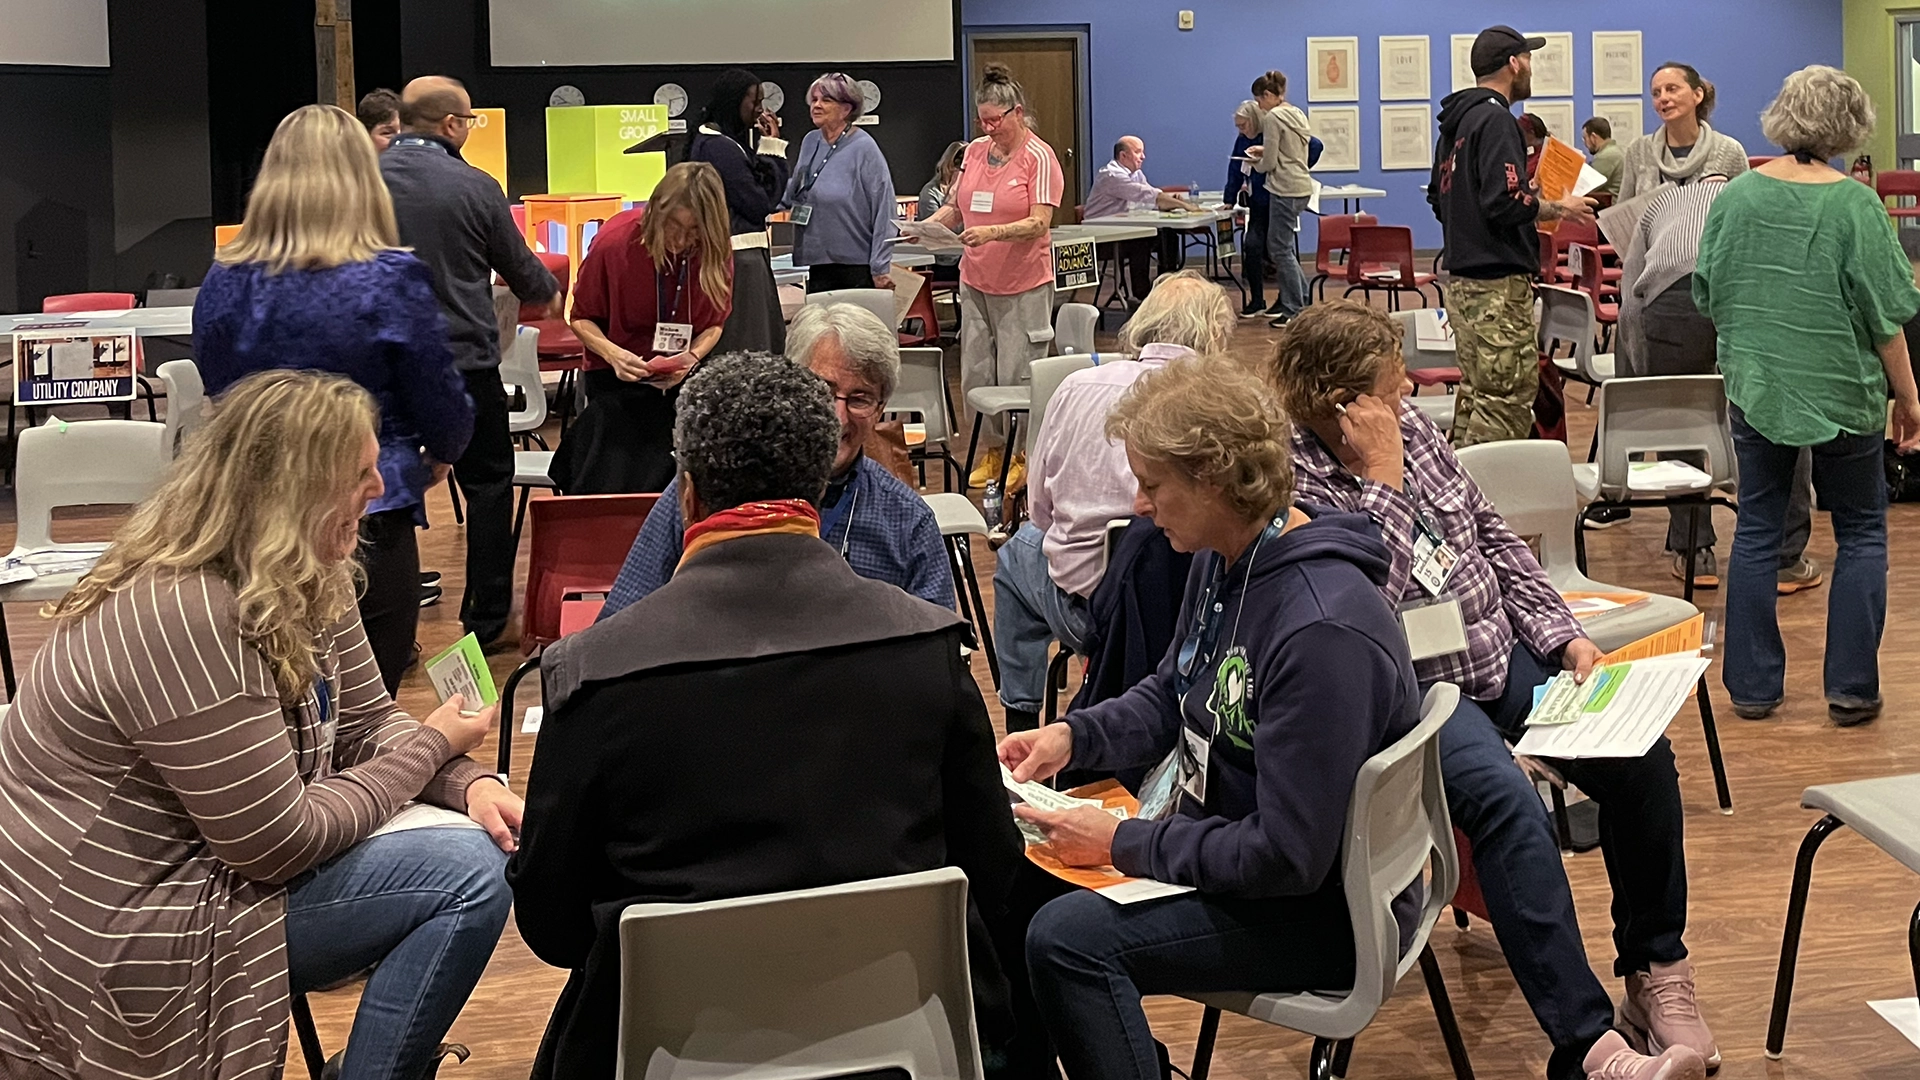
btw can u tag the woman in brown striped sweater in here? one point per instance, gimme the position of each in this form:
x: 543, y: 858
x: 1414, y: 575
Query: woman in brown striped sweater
x: 199, y: 757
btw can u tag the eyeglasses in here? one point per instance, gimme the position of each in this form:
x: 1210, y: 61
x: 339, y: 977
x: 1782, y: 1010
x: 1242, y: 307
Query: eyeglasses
x: 992, y: 123
x: 859, y: 404
x: 466, y: 119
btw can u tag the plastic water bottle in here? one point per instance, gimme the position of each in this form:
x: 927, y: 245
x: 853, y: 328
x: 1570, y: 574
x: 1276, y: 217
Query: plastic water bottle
x: 990, y: 504
x: 1193, y: 192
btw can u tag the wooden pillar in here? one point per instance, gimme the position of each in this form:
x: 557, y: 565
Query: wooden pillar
x: 333, y: 52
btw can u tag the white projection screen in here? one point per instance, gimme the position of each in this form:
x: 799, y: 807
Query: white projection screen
x: 67, y: 33
x: 537, y: 33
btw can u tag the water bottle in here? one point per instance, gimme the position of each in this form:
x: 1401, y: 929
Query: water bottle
x: 990, y: 504
x: 1193, y: 192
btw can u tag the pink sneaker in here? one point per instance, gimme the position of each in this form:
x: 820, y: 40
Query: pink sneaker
x: 1660, y: 1011
x: 1612, y: 1059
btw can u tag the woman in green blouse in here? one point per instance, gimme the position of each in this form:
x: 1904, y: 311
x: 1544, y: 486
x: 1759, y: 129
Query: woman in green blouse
x: 1806, y: 283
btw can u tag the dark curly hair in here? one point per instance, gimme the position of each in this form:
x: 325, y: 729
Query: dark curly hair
x: 753, y: 427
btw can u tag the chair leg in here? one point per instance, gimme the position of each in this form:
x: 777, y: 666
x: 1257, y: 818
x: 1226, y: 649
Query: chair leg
x: 309, y: 1037
x: 6, y: 655
x: 1693, y: 545
x: 1443, y: 1012
x: 1580, y: 541
x: 453, y: 494
x: 1320, y: 1065
x: 1342, y: 1057
x: 1056, y: 682
x: 1460, y: 919
x: 1562, y: 828
x: 1203, y: 1046
x: 966, y: 471
x: 1913, y: 945
x: 1006, y: 456
x: 503, y: 757
x: 960, y: 587
x: 1790, y: 939
x: 980, y: 608
x: 520, y: 514
x: 1712, y: 732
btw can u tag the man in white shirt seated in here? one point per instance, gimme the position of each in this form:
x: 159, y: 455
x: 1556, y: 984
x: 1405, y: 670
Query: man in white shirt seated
x: 1077, y: 481
x: 1121, y: 187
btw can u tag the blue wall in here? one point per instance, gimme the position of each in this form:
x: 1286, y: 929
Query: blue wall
x: 1177, y: 89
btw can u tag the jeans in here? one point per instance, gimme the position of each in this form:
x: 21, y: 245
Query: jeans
x: 1849, y: 476
x: 1253, y: 255
x: 390, y: 603
x: 1283, y: 250
x: 1090, y: 960
x: 1029, y: 610
x: 427, y: 906
x: 485, y: 475
x: 1518, y: 863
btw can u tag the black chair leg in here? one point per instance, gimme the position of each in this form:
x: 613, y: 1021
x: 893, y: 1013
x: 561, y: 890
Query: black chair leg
x: 1712, y: 733
x: 1006, y: 457
x: 1580, y: 541
x: 1342, y: 1057
x: 1460, y: 919
x: 520, y: 515
x: 1693, y: 545
x: 453, y: 493
x: 1203, y: 1046
x: 1443, y: 1012
x: 1913, y: 945
x: 309, y: 1037
x: 1562, y: 830
x: 980, y: 609
x: 6, y: 655
x: 503, y: 757
x: 1056, y: 682
x: 966, y: 471
x: 1790, y: 939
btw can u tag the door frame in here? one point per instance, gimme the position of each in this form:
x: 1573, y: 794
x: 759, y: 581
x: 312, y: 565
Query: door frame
x: 1906, y: 47
x: 1082, y: 79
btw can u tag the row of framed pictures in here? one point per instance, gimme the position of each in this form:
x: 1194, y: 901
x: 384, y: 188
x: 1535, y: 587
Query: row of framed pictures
x: 1407, y: 133
x: 1333, y: 66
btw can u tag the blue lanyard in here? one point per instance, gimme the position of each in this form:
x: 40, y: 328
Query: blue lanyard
x: 1196, y: 651
x: 663, y: 312
x: 830, y: 518
x: 323, y: 694
x: 822, y: 161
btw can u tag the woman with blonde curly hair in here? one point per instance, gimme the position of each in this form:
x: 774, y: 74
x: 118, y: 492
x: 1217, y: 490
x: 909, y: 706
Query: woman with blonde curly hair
x: 1267, y: 745
x: 196, y: 765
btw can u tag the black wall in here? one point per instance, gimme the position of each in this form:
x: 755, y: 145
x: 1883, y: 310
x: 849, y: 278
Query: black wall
x: 56, y: 183
x: 923, y: 108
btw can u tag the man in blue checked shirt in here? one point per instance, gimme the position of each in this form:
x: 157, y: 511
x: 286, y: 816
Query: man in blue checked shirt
x: 878, y: 524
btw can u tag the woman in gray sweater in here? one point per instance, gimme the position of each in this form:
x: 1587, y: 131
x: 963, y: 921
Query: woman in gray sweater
x: 1684, y: 148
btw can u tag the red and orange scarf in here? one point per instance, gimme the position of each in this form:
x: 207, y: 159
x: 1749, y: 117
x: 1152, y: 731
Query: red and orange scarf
x: 796, y: 517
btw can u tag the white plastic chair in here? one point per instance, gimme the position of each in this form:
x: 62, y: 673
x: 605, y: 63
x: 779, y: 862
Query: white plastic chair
x: 520, y: 370
x: 1567, y: 318
x: 921, y: 390
x: 186, y: 403
x: 879, y: 301
x: 958, y: 520
x: 1397, y: 826
x: 818, y: 982
x: 1048, y: 373
x: 1011, y: 401
x: 74, y: 463
x: 1665, y: 415
x: 1530, y: 483
x: 1073, y: 328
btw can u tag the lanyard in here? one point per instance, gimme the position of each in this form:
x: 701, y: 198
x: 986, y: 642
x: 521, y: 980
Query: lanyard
x: 662, y: 311
x: 830, y: 519
x: 1196, y: 652
x: 821, y: 166
x: 419, y: 140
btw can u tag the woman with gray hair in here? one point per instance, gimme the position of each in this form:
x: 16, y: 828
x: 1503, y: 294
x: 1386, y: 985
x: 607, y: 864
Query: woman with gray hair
x: 841, y: 194
x: 881, y: 526
x: 1808, y: 289
x: 1246, y: 188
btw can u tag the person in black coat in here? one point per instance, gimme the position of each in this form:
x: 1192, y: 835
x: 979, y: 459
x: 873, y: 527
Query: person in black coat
x: 741, y: 140
x: 767, y: 720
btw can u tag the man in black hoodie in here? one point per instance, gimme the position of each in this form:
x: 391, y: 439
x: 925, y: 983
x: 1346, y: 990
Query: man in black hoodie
x: 1488, y: 210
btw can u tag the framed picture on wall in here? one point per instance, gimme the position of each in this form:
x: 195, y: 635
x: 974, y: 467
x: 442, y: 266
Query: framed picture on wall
x: 1463, y: 61
x: 1333, y: 69
x: 1616, y: 63
x: 1627, y: 115
x: 1338, y: 129
x: 1553, y: 65
x: 1406, y: 136
x: 1562, y: 123
x: 1404, y: 68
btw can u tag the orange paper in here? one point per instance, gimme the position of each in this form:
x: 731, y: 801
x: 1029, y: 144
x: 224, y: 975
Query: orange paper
x: 1559, y: 171
x: 1686, y: 637
x: 1110, y: 794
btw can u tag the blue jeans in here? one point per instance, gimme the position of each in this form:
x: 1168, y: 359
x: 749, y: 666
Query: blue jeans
x: 1091, y: 959
x: 1851, y: 482
x: 1253, y: 253
x: 1283, y: 250
x: 427, y: 906
x: 1029, y: 610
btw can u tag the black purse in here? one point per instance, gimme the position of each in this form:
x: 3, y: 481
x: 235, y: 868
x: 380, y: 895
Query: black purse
x: 1903, y: 474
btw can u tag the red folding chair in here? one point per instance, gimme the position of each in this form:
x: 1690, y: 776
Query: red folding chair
x: 1899, y: 184
x: 1334, y: 232
x: 1570, y: 233
x: 1381, y: 257
x: 87, y: 301
x: 578, y: 544
x: 1588, y: 277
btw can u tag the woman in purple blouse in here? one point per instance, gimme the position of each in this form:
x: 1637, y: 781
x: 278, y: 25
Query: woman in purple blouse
x: 317, y: 279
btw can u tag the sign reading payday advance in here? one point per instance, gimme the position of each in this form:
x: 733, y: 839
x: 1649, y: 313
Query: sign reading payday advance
x: 64, y: 363
x: 1075, y: 266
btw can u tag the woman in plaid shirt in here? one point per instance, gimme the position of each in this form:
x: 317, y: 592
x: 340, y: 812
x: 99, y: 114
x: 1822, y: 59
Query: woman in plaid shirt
x: 1358, y: 447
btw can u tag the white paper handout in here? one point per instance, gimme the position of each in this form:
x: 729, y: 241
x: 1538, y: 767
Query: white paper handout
x: 933, y: 236
x: 1665, y: 475
x: 1590, y: 178
x: 1618, y: 712
x: 1903, y: 1014
x: 1431, y: 330
x: 423, y: 816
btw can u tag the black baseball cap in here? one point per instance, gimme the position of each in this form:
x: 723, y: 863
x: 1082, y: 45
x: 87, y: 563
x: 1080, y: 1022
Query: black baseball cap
x: 1498, y: 44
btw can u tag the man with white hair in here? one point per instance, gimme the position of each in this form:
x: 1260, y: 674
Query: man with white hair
x: 1077, y: 481
x: 879, y: 525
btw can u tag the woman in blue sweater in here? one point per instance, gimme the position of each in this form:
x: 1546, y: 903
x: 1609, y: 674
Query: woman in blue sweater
x: 1277, y: 599
x: 841, y: 194
x: 317, y: 279
x: 1242, y: 179
x: 741, y: 140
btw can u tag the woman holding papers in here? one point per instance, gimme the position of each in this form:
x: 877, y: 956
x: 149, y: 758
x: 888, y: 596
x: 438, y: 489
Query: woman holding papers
x: 1494, y: 624
x: 1261, y: 746
x: 197, y: 763
x: 1685, y: 148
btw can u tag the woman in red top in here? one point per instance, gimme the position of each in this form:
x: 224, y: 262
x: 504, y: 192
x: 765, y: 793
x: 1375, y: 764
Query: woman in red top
x: 652, y: 297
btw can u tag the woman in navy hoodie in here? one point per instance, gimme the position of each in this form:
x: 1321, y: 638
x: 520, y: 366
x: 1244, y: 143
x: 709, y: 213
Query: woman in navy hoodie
x: 1278, y: 601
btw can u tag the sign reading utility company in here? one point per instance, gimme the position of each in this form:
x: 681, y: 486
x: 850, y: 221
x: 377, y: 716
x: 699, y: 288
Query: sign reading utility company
x: 64, y: 363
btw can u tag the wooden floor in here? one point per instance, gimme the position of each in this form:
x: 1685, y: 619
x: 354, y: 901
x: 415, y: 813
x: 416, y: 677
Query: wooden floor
x: 1855, y: 944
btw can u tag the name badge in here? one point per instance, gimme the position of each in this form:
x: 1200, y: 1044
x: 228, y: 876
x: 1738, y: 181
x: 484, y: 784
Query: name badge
x: 803, y: 213
x: 1433, y: 559
x: 672, y: 338
x: 1195, y: 749
x: 1434, y: 628
x: 982, y: 202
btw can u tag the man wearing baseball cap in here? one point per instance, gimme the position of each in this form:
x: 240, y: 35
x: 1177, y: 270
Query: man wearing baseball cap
x: 1488, y: 208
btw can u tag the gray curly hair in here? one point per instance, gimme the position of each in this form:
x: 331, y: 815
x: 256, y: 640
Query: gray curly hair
x: 753, y: 427
x: 871, y: 350
x: 1821, y: 110
x: 1183, y: 309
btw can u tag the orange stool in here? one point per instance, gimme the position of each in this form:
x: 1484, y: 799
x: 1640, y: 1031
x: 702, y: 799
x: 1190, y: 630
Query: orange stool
x: 572, y: 212
x: 224, y: 234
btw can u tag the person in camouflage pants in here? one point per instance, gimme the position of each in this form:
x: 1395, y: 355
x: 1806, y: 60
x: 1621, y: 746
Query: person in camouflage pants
x: 1494, y: 339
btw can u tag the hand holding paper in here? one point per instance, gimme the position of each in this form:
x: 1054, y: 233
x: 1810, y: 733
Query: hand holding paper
x: 1036, y: 755
x: 463, y: 730
x: 932, y: 235
x: 1082, y: 836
